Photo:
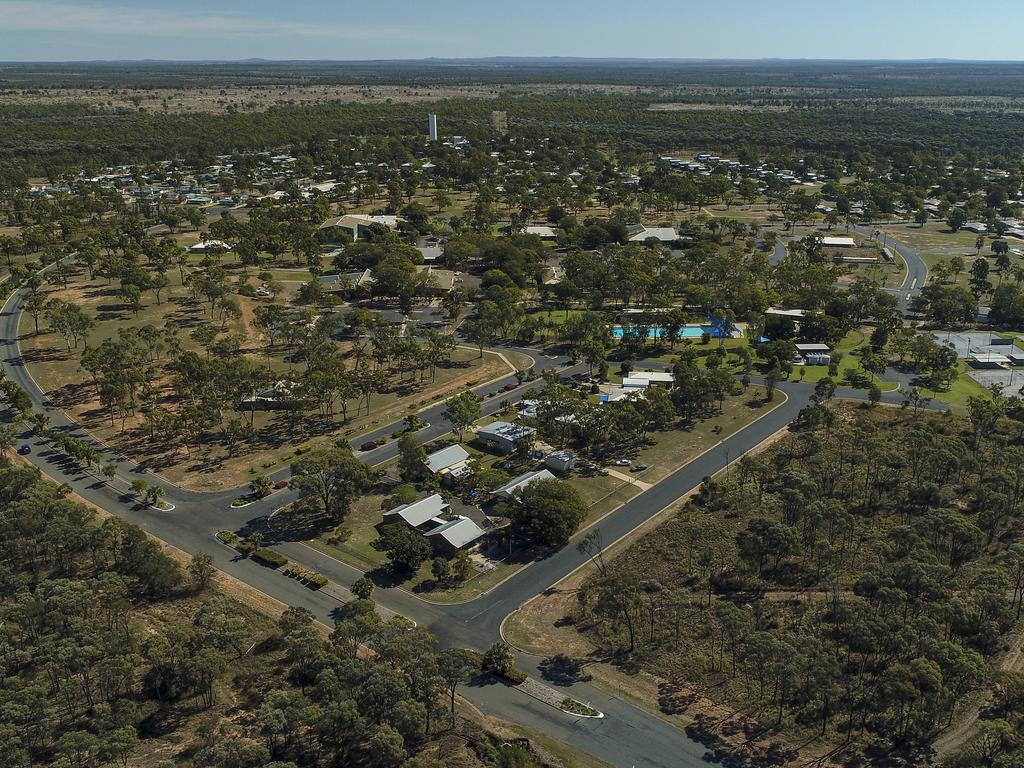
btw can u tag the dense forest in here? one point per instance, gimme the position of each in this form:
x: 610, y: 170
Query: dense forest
x: 111, y: 653
x: 38, y: 138
x: 811, y: 106
x: 823, y: 79
x: 853, y: 583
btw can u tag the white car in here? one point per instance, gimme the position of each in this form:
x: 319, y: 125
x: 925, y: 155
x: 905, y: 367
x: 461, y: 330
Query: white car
x: 623, y: 463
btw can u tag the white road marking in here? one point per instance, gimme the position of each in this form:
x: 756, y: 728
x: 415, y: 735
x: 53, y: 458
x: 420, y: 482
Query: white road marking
x: 913, y: 285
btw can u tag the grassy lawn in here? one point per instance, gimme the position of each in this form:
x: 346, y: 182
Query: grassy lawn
x: 854, y: 340
x: 963, y: 388
x: 675, y: 448
x: 602, y: 494
x: 934, y: 234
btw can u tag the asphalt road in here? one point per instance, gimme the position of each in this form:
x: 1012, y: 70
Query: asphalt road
x: 628, y: 736
x: 917, y: 270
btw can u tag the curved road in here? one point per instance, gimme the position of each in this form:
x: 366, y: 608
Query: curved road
x: 627, y: 736
x: 917, y: 270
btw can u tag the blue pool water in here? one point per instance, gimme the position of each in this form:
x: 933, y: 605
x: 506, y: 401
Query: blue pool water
x: 686, y: 332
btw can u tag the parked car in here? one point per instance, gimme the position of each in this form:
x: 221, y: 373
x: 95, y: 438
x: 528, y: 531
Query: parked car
x: 622, y: 462
x: 280, y: 484
x: 638, y: 468
x: 24, y: 449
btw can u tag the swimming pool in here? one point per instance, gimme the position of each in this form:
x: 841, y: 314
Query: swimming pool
x: 686, y: 332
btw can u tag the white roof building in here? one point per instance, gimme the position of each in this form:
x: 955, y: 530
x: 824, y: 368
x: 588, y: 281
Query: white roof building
x: 457, y: 533
x: 641, y: 233
x: 419, y: 512
x: 209, y: 245
x: 543, y: 232
x: 838, y: 242
x: 447, y: 458
x: 509, y: 489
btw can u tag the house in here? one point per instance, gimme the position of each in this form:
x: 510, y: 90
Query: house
x: 434, y: 280
x: 453, y: 535
x: 210, y: 246
x: 655, y: 378
x: 528, y: 408
x: 560, y: 461
x: 504, y: 436
x: 630, y: 382
x: 277, y: 397
x: 431, y: 253
x: 346, y: 282
x: 543, y: 232
x: 814, y: 354
x: 508, y: 491
x: 638, y: 233
x: 355, y: 224
x: 419, y: 513
x: 450, y: 463
x: 614, y: 394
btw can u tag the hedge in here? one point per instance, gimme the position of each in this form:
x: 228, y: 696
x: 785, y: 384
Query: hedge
x: 269, y: 557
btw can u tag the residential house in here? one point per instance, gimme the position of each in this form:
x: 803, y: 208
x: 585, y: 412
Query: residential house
x: 417, y: 514
x: 449, y: 463
x: 355, y: 224
x: 638, y: 233
x: 504, y: 436
x: 453, y: 535
x: 507, y: 491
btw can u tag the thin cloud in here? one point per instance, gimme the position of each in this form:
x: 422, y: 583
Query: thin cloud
x: 120, y: 21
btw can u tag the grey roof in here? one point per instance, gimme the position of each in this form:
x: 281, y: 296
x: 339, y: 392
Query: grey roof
x: 505, y: 430
x: 562, y: 455
x: 446, y: 457
x: 431, y: 252
x: 458, y: 532
x: 419, y: 512
x: 522, y: 481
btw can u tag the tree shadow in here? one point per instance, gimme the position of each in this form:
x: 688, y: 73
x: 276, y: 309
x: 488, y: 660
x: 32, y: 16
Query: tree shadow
x: 563, y: 670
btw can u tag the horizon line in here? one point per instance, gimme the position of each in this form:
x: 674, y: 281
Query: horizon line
x: 522, y: 59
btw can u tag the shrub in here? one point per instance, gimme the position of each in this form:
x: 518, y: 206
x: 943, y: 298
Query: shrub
x: 578, y: 707
x: 227, y: 537
x: 514, y: 676
x: 341, y: 534
x: 269, y: 557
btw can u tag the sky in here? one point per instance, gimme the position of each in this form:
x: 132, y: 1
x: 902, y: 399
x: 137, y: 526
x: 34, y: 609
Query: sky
x: 75, y: 30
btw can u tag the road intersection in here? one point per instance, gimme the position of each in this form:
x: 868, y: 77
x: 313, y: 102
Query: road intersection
x: 627, y: 736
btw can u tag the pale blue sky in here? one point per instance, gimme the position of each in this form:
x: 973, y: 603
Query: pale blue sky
x: 53, y: 30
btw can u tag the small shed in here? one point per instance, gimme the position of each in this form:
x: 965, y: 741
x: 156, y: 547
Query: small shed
x: 560, y: 461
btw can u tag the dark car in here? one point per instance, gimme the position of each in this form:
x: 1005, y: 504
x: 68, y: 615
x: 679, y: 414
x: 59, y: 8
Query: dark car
x: 24, y: 449
x: 638, y: 468
x: 281, y: 484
